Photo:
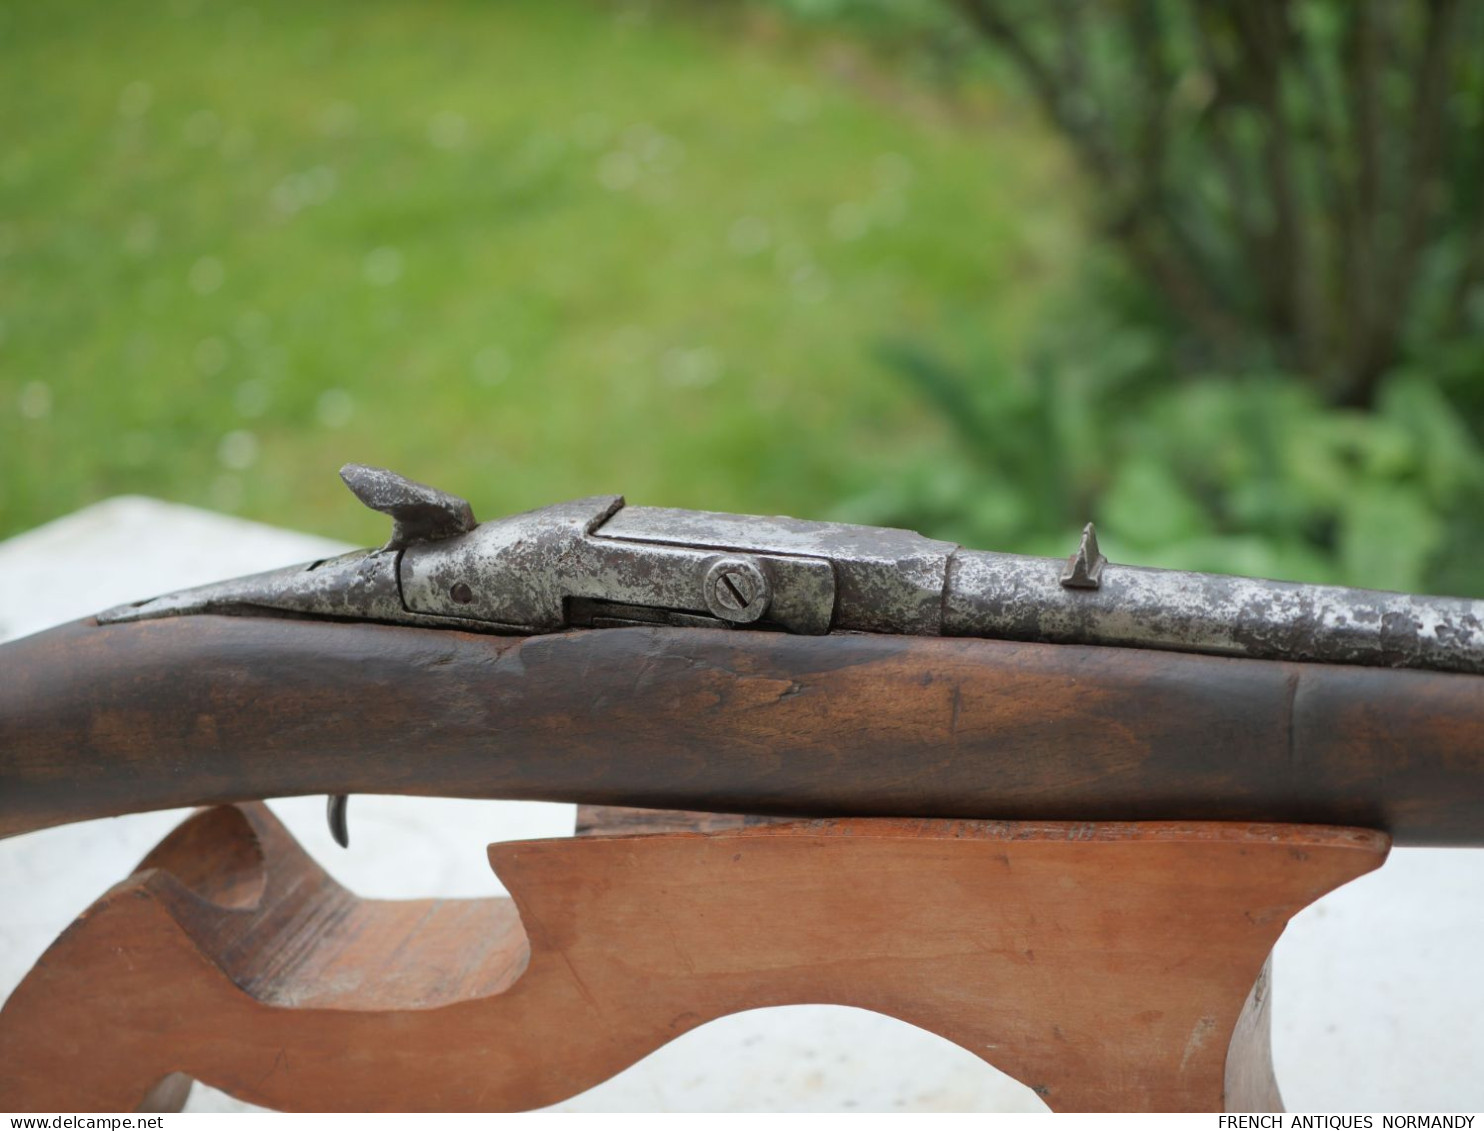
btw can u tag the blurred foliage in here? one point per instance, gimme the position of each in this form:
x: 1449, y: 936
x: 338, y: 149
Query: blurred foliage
x: 1254, y: 476
x: 1254, y: 473
x: 1290, y: 194
x: 1297, y: 182
x: 522, y: 251
x: 537, y: 250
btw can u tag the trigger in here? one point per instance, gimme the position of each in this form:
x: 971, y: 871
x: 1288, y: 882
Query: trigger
x: 335, y: 807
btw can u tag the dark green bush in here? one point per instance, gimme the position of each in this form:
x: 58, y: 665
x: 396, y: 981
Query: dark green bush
x: 1297, y: 180
x: 1253, y: 475
x: 1279, y: 369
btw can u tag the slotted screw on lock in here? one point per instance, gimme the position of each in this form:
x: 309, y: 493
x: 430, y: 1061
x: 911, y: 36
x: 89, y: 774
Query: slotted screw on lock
x: 737, y: 590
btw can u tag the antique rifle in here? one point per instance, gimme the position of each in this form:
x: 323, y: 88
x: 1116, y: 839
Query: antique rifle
x: 603, y: 653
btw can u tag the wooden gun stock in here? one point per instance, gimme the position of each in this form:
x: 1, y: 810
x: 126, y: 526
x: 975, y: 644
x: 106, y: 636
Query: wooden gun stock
x: 104, y: 720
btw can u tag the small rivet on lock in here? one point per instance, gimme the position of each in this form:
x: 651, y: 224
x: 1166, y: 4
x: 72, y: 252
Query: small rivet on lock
x: 461, y: 593
x: 737, y: 590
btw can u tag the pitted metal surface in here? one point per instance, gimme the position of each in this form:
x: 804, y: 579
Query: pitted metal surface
x: 596, y: 562
x: 889, y: 580
x: 508, y: 566
x: 361, y: 585
x: 1021, y: 598
x: 522, y: 572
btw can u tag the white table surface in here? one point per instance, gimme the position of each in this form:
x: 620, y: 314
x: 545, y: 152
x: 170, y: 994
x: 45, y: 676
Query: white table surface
x: 1378, y: 989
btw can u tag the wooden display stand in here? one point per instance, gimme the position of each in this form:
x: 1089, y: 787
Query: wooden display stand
x: 1107, y: 966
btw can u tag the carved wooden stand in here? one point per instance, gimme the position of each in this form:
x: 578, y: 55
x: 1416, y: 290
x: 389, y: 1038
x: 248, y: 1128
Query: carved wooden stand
x: 1107, y: 966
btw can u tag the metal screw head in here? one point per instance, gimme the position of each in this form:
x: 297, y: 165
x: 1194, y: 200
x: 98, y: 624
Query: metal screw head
x: 461, y: 593
x: 737, y: 590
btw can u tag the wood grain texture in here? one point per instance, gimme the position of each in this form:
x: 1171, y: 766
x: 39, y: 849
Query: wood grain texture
x: 96, y: 721
x: 617, y: 820
x: 1106, y: 966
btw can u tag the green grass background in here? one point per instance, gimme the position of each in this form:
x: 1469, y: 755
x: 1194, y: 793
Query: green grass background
x: 522, y: 251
